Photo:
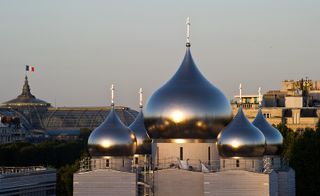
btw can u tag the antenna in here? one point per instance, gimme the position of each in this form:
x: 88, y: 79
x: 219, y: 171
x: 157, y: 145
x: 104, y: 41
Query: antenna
x: 259, y: 98
x: 141, y: 97
x: 112, y: 95
x: 188, y: 32
x: 240, y: 94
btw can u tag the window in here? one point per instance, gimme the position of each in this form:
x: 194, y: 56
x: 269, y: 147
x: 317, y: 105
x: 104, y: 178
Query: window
x: 267, y: 115
x: 181, y: 153
x: 122, y: 162
x: 107, y: 163
x: 136, y: 160
x: 252, y: 163
x: 224, y: 163
x: 158, y: 155
x: 237, y: 163
x: 209, y: 155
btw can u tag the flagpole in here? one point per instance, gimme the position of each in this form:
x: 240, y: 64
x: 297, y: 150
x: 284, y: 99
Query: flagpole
x: 25, y: 69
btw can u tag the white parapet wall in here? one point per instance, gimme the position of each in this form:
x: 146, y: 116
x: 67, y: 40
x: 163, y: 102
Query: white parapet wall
x: 179, y: 182
x: 104, y: 182
x: 175, y: 182
x: 239, y: 183
x: 172, y: 182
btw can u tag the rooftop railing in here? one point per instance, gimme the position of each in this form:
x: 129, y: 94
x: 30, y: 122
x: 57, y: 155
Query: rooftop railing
x: 15, y: 170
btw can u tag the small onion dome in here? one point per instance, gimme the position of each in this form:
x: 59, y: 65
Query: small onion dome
x: 188, y: 106
x: 112, y: 138
x: 241, y: 139
x: 143, y: 140
x: 273, y: 137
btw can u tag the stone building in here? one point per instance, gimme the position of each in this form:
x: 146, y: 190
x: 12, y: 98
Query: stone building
x: 11, y: 130
x: 289, y: 110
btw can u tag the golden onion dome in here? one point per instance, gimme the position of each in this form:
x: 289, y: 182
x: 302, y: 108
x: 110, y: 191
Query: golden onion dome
x: 241, y: 139
x: 188, y: 106
x: 143, y: 140
x: 274, y: 139
x: 112, y: 138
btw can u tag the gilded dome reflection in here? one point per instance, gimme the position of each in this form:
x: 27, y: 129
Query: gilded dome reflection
x: 112, y: 138
x: 143, y: 140
x: 175, y: 110
x: 274, y: 138
x: 241, y: 139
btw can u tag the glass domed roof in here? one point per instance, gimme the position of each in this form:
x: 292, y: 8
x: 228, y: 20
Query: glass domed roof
x: 241, y: 139
x: 188, y: 106
x: 112, y: 138
x: 273, y: 137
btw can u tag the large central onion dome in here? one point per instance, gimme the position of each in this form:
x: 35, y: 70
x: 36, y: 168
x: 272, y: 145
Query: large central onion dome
x: 274, y: 138
x: 241, y: 139
x: 188, y: 106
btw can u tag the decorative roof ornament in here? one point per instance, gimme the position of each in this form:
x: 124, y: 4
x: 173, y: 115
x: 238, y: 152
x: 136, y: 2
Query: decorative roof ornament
x: 240, y: 94
x: 188, y: 44
x: 26, y: 92
x: 140, y: 98
x: 112, y: 95
x: 259, y: 98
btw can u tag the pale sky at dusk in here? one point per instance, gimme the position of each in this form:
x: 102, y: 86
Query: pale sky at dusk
x: 79, y: 48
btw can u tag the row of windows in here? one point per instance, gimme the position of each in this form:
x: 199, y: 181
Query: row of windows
x: 209, y: 153
x: 181, y: 154
x: 237, y: 164
x: 267, y: 115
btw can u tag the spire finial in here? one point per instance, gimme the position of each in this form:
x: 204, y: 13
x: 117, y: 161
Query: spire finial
x: 240, y: 93
x: 188, y: 32
x: 259, y: 98
x: 112, y: 95
x: 140, y: 93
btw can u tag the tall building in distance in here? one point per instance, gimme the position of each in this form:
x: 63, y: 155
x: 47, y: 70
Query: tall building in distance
x: 197, y: 146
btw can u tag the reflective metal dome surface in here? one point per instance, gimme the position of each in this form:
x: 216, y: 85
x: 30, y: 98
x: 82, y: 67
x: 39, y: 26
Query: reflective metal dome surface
x: 143, y: 140
x: 274, y: 139
x: 188, y: 106
x: 241, y: 139
x: 112, y: 138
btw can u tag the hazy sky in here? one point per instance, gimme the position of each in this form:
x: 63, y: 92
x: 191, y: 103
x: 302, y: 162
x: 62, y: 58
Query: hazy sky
x: 80, y: 47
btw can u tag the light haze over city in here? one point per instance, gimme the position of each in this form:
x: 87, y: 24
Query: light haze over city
x: 79, y: 48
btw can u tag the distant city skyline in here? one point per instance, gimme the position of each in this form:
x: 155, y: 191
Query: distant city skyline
x: 80, y: 48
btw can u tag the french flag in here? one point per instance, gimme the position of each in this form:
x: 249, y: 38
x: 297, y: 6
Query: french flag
x: 30, y: 68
